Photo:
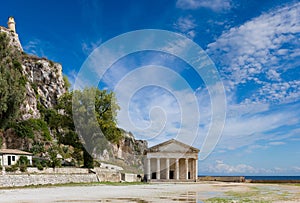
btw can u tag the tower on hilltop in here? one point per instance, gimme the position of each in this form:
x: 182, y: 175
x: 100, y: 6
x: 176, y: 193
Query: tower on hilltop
x: 11, y: 24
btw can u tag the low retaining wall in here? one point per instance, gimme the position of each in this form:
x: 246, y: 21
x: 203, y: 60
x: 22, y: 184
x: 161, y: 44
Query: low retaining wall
x: 131, y: 177
x: 222, y: 178
x: 33, y: 176
x: 64, y: 170
x: 105, y: 175
x: 35, y: 179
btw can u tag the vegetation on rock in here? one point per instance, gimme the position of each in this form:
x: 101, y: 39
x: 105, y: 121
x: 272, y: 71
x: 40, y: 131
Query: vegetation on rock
x: 48, y: 129
x: 12, y: 82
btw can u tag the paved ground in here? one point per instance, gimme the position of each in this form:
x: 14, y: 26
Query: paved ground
x: 197, y: 192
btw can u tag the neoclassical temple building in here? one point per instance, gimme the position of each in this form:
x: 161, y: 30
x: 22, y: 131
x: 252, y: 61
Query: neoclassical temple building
x: 171, y: 161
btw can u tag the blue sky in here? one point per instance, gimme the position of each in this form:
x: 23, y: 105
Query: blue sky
x: 253, y: 44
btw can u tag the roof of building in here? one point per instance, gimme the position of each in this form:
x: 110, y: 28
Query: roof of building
x: 14, y: 151
x: 170, y: 142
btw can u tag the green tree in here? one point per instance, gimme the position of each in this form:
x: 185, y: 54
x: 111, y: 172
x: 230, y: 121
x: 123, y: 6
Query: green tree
x: 93, y: 108
x: 12, y: 81
x: 54, y: 161
x: 106, y: 109
x: 65, y: 105
x: 23, y: 162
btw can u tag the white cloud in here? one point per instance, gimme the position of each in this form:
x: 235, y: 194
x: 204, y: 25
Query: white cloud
x: 246, y: 129
x: 186, y: 25
x: 251, y: 126
x: 222, y: 168
x: 215, y: 5
x: 153, y: 109
x: 36, y: 47
x: 297, y: 169
x: 261, y: 50
x: 72, y: 78
x: 276, y: 143
x: 88, y: 47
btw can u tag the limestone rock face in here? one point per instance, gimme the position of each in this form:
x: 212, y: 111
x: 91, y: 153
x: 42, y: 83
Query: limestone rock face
x: 128, y: 152
x: 131, y: 150
x: 45, y: 83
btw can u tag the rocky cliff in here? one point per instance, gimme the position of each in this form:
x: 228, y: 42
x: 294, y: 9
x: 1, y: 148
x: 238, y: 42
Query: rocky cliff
x: 44, y: 79
x: 128, y: 153
x: 44, y: 86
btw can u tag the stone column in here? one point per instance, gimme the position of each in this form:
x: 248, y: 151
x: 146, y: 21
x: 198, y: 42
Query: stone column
x: 193, y: 170
x: 158, y: 168
x: 177, y: 169
x: 196, y: 169
x: 187, y: 169
x: 149, y: 169
x: 167, y: 168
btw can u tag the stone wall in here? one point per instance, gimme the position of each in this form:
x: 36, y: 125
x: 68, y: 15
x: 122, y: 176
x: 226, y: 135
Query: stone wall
x: 223, y: 178
x: 106, y: 175
x: 58, y: 176
x: 131, y: 177
x: 64, y: 170
x: 35, y: 179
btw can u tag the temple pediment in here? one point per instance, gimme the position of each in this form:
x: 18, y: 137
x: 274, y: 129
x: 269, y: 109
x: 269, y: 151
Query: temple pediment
x: 173, y: 146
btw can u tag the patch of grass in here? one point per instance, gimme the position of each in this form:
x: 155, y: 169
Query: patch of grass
x: 218, y: 200
x: 231, y: 200
x: 259, y: 194
x: 243, y: 194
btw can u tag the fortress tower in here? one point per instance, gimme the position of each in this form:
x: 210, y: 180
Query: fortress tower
x: 10, y: 31
x: 11, y: 24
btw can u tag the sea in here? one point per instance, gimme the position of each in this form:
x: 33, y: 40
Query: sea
x: 262, y: 177
x: 273, y: 177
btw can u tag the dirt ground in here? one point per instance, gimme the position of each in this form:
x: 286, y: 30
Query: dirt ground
x: 192, y: 192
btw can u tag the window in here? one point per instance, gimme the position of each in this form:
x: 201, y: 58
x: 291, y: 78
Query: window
x: 13, y: 158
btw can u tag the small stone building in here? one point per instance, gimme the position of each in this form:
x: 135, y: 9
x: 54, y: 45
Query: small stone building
x: 171, y: 161
x: 10, y: 157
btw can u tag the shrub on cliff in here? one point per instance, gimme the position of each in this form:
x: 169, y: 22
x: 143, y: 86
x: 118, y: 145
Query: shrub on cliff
x: 12, y: 82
